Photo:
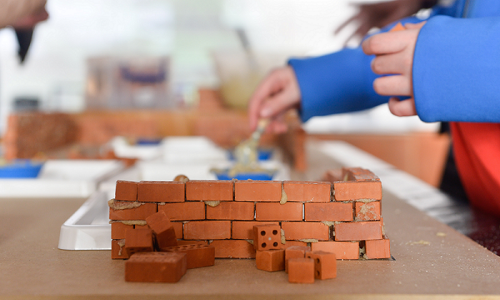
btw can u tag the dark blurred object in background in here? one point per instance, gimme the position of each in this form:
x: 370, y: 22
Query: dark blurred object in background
x: 24, y: 37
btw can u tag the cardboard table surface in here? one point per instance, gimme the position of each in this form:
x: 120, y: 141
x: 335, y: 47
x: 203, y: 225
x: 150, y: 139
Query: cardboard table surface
x: 431, y: 261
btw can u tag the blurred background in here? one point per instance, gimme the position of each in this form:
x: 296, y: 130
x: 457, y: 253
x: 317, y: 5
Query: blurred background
x: 192, y: 36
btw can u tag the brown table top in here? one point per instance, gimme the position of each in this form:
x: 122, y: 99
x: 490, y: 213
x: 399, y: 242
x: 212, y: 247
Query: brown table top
x: 431, y: 260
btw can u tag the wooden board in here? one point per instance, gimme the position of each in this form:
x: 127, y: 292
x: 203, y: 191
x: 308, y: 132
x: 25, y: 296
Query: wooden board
x: 432, y: 261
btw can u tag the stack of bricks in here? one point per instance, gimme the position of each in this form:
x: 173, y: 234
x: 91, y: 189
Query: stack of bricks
x: 342, y: 217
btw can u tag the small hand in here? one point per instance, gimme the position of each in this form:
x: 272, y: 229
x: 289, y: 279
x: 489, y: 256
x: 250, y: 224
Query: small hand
x: 275, y: 95
x: 394, y: 55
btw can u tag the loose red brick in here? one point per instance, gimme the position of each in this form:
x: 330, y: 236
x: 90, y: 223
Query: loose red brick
x: 333, y: 175
x: 342, y: 250
x: 118, y: 230
x: 163, y: 230
x: 325, y: 264
x: 352, y: 190
x: 308, y: 191
x: 333, y: 211
x: 126, y: 190
x: 359, y: 174
x: 138, y: 240
x: 295, y: 252
x: 243, y: 230
x: 209, y: 190
x: 184, y: 211
x: 367, y: 211
x: 126, y: 210
x: 160, y: 191
x: 278, y: 212
x: 156, y: 267
x: 178, y: 229
x: 198, y: 256
x: 207, y: 230
x: 233, y: 249
x: 257, y: 190
x: 267, y: 237
x: 231, y: 211
x: 305, y: 230
x: 358, y: 231
x: 118, y: 249
x: 270, y: 260
x: 378, y: 249
x: 301, y: 270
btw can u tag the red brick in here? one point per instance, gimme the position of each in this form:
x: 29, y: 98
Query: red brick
x: 141, y: 212
x: 278, y: 212
x: 118, y: 230
x: 233, y: 249
x: 156, y: 267
x: 178, y: 229
x: 270, y: 260
x: 295, y: 252
x: 163, y: 230
x: 359, y: 174
x: 257, y: 190
x: 333, y: 211
x: 231, y: 211
x: 369, y: 211
x: 267, y: 237
x: 160, y: 191
x: 325, y: 264
x: 342, y: 250
x: 333, y: 175
x: 211, y: 190
x: 126, y: 190
x: 305, y: 230
x: 358, y: 231
x: 118, y: 249
x: 352, y: 190
x: 308, y: 191
x: 378, y: 249
x: 190, y: 242
x: 138, y: 240
x: 243, y: 230
x: 207, y: 230
x: 198, y: 256
x: 289, y: 244
x: 301, y: 270
x: 184, y: 211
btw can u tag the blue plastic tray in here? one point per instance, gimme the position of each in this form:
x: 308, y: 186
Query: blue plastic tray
x: 21, y: 169
x: 245, y: 176
x: 263, y: 154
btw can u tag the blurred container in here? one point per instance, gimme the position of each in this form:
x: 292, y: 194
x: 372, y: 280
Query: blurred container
x: 21, y: 169
x: 125, y: 83
x: 240, y: 73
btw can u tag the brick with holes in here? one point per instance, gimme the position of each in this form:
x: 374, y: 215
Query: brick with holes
x: 267, y: 237
x: 325, y: 264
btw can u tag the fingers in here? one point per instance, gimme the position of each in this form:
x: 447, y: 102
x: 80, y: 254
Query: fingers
x: 278, y: 103
x: 263, y: 91
x: 393, y: 85
x: 403, y: 108
x: 385, y: 43
x: 397, y: 63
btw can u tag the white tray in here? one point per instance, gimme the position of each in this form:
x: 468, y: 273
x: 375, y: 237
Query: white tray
x: 62, y: 179
x: 88, y: 228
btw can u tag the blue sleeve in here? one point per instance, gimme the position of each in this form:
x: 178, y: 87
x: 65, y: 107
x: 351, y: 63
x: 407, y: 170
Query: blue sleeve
x: 456, y: 70
x: 342, y: 81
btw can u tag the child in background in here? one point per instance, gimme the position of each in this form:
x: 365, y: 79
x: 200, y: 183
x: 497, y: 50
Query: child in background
x: 447, y: 69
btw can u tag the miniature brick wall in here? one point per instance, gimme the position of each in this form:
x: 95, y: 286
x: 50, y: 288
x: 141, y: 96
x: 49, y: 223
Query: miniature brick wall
x: 343, y: 217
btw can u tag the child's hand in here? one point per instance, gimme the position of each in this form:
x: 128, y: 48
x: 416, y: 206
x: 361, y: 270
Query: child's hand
x: 394, y: 55
x: 276, y: 94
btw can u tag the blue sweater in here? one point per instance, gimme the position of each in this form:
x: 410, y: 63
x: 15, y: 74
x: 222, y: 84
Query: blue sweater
x: 456, y: 69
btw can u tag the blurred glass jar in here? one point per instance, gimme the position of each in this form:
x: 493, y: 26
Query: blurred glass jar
x: 240, y: 73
